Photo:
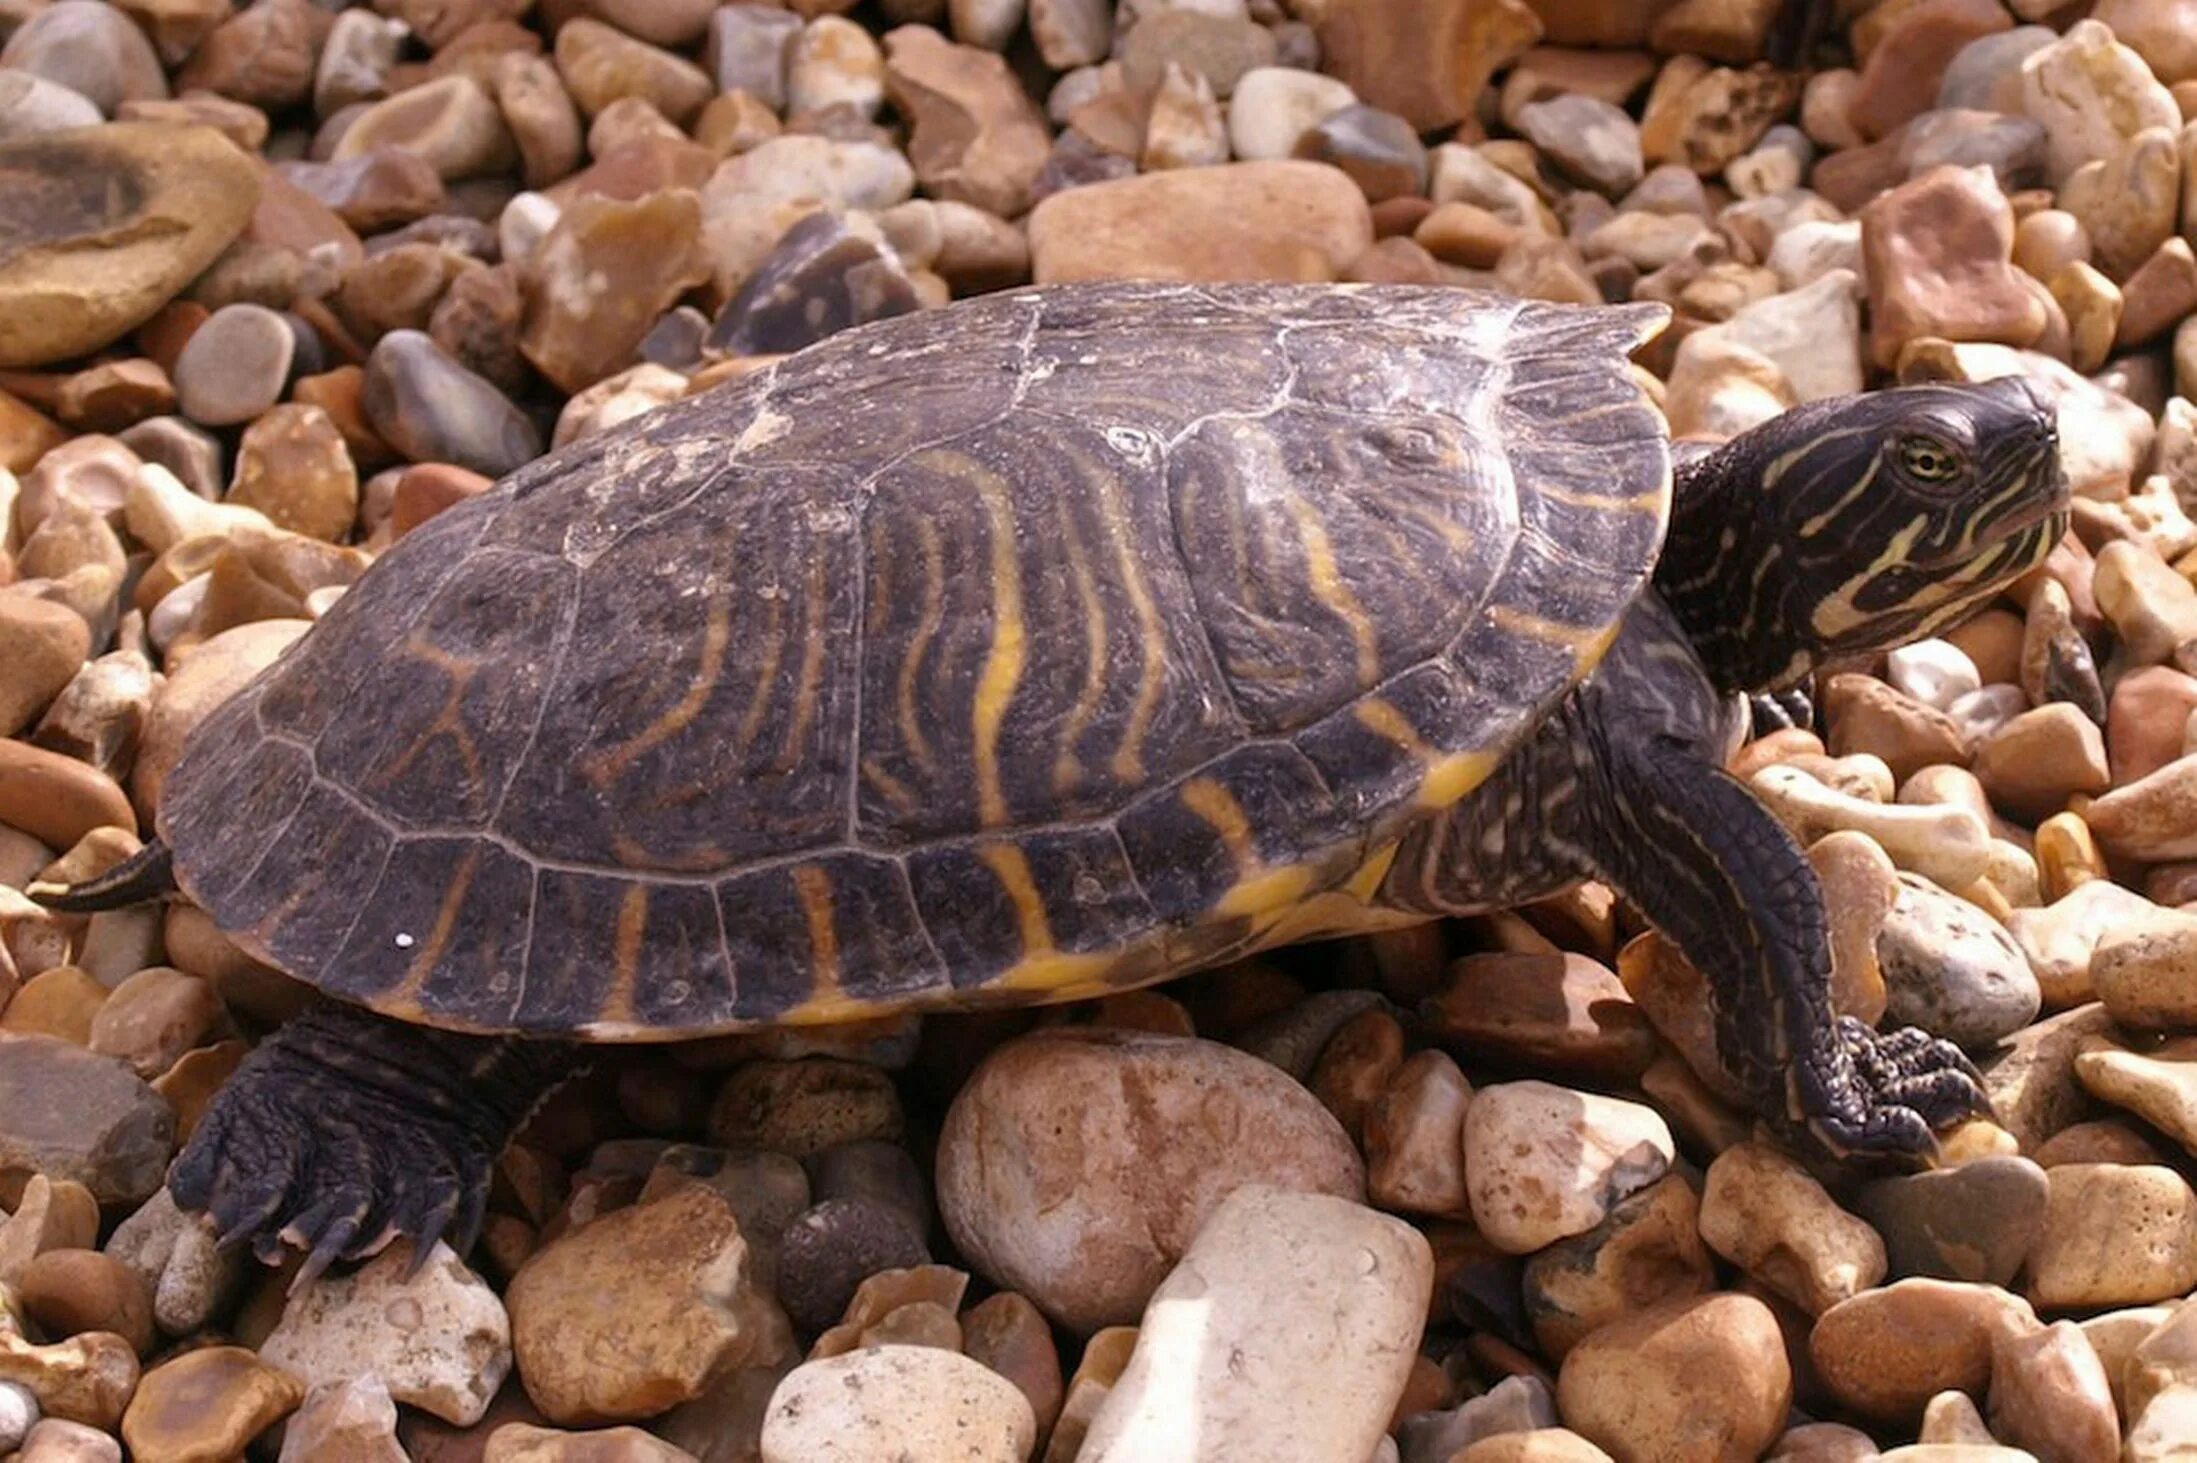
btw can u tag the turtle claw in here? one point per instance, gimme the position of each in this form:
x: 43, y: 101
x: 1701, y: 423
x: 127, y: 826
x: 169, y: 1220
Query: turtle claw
x: 1887, y: 1093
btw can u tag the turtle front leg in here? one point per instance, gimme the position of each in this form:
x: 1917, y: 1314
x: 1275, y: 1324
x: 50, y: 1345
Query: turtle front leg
x: 347, y: 1130
x: 1719, y: 876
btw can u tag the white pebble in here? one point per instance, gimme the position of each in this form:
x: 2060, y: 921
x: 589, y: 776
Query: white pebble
x: 1934, y: 672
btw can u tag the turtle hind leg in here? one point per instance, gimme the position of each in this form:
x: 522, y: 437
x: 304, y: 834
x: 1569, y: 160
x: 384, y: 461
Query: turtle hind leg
x: 1719, y: 876
x: 144, y: 876
x: 346, y: 1130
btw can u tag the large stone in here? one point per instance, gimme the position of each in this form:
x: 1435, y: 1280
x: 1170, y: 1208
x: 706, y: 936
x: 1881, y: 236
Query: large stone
x: 1938, y: 256
x: 1974, y: 1221
x: 2115, y: 1234
x: 636, y: 1311
x: 2091, y: 92
x: 1425, y: 61
x: 105, y: 225
x: 1076, y: 1166
x: 438, y: 1340
x: 1280, y: 220
x: 1764, y: 1212
x: 1299, y: 1314
x: 69, y: 1114
x: 90, y: 48
x: 1886, y: 1352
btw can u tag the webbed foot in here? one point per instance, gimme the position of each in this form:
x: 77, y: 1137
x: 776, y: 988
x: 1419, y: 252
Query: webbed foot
x: 1872, y: 1092
x: 346, y: 1131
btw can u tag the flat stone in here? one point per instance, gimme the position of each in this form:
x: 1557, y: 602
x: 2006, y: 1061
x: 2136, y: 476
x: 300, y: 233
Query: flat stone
x: 1543, y: 1162
x: 2037, y: 762
x: 2114, y: 1235
x: 519, y: 1442
x: 1588, y: 139
x: 1694, y: 1377
x: 601, y: 278
x: 1976, y: 1221
x: 1378, y: 149
x: 1762, y: 1211
x: 2060, y: 939
x: 1311, y: 1305
x: 1886, y: 1352
x: 439, y: 1340
x: 1086, y: 1219
x: 451, y: 122
x: 1565, y: 1014
x: 91, y: 266
x: 205, y: 1405
x: 293, y: 465
x: 636, y: 1311
x: 43, y: 645
x: 917, y: 1403
x: 1278, y: 220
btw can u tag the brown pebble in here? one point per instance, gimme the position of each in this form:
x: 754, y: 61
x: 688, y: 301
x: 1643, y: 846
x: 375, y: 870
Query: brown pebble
x: 72, y: 1291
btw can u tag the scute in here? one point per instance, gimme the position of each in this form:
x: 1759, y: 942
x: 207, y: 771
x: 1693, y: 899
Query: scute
x: 1033, y: 646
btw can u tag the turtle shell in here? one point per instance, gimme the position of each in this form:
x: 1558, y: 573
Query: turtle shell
x: 1054, y: 641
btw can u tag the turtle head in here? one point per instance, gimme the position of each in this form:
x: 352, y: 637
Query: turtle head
x: 1860, y: 523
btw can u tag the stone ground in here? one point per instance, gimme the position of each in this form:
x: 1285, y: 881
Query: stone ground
x: 281, y: 282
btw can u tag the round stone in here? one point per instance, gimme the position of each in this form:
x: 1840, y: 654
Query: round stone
x: 1076, y: 1165
x: 1543, y: 1162
x: 72, y: 1291
x: 829, y: 1249
x: 235, y: 366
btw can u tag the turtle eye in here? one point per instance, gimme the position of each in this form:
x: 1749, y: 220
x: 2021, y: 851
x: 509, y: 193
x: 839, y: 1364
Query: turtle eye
x: 1928, y: 460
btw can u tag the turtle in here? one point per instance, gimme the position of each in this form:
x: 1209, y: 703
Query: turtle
x: 1051, y: 643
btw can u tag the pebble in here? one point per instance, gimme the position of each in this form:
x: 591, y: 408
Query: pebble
x: 176, y: 1258
x: 1648, y: 1250
x: 2159, y: 1086
x: 1302, y: 1312
x: 1543, y: 1162
x: 830, y: 1248
x: 57, y: 1440
x: 432, y: 409
x: 353, y: 1420
x: 91, y: 49
x: 1697, y: 1377
x: 1886, y: 1352
x: 822, y: 277
x: 1076, y: 1166
x: 1952, y: 970
x: 1377, y: 149
x: 1009, y: 1335
x: 1976, y: 1221
x: 519, y: 1442
x: 1276, y: 220
x: 18, y: 1414
x: 86, y: 1379
x: 2114, y: 1235
x: 1950, y: 846
x: 600, y: 65
x: 1566, y: 1014
x: 600, y: 279
x: 2145, y: 970
x: 71, y: 1291
x: 48, y: 1217
x: 205, y: 1405
x: 2090, y: 91
x: 916, y: 1403
x: 1273, y: 108
x: 451, y: 123
x: 1762, y: 1211
x: 976, y: 136
x: 70, y: 1114
x: 1938, y: 256
x: 83, y: 286
x: 439, y: 1340
x: 636, y: 1311
x: 2049, y: 1394
x: 747, y: 50
x: 30, y: 105
x: 1413, y: 1138
x: 43, y: 645
x: 1588, y: 139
